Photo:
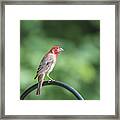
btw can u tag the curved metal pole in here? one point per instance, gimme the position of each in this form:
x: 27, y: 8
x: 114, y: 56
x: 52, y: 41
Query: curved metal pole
x: 45, y: 83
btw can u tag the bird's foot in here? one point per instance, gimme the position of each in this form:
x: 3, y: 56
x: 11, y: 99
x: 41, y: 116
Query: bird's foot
x: 49, y: 81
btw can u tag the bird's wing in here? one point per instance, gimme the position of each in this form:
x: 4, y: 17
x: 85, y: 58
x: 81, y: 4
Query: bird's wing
x: 45, y: 65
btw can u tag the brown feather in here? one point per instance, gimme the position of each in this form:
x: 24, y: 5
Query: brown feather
x: 40, y: 82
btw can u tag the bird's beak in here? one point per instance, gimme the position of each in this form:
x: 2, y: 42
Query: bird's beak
x: 61, y: 49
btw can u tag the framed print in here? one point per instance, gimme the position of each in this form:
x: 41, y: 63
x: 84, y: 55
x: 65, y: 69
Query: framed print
x: 60, y: 59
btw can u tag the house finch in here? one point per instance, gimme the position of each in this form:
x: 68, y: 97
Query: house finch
x: 46, y: 66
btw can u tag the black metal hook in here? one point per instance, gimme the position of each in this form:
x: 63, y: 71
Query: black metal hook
x: 58, y: 83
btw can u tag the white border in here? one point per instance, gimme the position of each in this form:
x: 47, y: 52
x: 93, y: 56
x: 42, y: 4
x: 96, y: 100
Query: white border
x: 104, y: 13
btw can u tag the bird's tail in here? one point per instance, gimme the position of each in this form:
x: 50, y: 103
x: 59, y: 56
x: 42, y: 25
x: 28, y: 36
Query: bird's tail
x: 40, y: 82
x: 39, y: 88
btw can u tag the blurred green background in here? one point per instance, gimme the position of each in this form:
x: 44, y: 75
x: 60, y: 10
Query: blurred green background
x: 79, y: 64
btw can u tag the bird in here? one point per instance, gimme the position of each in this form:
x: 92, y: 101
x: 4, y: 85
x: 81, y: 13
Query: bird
x: 46, y: 66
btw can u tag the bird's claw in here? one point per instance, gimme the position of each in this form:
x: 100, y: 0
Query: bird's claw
x: 51, y: 81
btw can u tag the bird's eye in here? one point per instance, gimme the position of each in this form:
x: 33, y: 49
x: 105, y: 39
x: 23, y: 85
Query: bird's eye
x: 56, y: 49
